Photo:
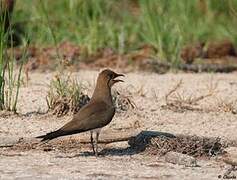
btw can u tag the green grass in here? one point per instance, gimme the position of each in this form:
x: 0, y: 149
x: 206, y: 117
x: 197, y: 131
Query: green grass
x: 94, y: 24
x: 10, y: 76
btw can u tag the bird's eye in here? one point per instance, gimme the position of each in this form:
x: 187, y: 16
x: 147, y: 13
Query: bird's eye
x: 111, y: 76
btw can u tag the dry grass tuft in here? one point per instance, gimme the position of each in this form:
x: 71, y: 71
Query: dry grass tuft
x: 123, y: 102
x: 156, y: 143
x: 178, y: 102
x: 65, y: 96
x: 227, y: 106
x: 194, y: 146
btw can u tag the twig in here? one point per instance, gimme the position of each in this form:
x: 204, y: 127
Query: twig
x: 5, y: 146
x: 177, y: 86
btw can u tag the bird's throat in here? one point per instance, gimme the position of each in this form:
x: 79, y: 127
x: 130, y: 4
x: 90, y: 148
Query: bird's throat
x: 102, y: 92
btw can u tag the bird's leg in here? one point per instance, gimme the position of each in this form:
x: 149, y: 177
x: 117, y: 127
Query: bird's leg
x: 96, y: 143
x: 92, y: 143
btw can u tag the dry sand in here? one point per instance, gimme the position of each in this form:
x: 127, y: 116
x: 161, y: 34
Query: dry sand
x: 212, y: 118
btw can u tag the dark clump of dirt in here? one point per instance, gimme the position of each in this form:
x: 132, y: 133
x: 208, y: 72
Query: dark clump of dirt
x: 214, y: 56
x: 192, y: 51
x: 218, y: 49
x: 215, y: 50
x: 160, y: 143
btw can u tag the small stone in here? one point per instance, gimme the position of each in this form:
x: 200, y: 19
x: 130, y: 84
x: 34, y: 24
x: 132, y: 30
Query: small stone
x: 180, y: 159
x: 231, y: 156
x: 8, y: 141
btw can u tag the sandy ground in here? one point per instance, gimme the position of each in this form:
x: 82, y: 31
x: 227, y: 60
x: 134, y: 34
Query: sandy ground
x: 213, y: 116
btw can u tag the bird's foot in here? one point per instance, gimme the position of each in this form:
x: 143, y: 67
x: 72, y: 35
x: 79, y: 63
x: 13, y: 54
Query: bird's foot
x: 93, y: 149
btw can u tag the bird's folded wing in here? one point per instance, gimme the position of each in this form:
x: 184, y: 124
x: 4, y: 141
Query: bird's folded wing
x: 95, y: 114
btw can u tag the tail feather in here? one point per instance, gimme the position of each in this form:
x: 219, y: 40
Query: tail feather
x: 58, y: 133
x: 52, y: 135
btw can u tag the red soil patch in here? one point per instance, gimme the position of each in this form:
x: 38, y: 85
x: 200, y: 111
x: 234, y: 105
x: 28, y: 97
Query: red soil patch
x: 73, y: 57
x: 216, y: 51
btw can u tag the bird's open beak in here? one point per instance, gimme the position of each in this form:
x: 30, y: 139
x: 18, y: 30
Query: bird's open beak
x: 117, y: 80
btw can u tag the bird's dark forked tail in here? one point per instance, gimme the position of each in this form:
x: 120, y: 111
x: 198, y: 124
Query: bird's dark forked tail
x: 52, y: 135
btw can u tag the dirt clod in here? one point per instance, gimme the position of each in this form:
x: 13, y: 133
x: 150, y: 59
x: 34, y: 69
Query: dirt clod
x: 192, y: 51
x: 218, y: 49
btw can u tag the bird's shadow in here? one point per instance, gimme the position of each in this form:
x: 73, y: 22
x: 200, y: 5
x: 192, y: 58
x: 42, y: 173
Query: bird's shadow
x: 137, y: 144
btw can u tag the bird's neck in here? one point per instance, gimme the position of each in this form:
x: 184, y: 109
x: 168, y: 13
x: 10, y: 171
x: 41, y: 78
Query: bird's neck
x: 102, y: 92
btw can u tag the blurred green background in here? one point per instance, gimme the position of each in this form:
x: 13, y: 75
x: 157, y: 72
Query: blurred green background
x: 126, y: 25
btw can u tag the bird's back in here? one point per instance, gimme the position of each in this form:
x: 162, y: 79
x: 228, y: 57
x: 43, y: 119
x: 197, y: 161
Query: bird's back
x: 95, y: 114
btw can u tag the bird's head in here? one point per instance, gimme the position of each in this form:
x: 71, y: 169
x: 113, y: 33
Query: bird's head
x: 109, y: 77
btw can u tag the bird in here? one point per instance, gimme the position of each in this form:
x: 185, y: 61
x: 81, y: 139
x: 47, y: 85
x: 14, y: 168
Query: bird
x: 97, y: 113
